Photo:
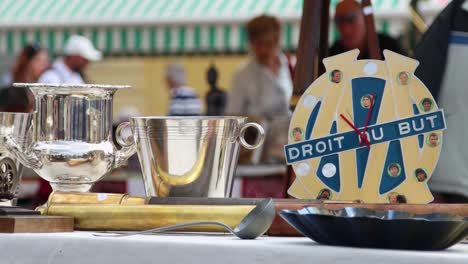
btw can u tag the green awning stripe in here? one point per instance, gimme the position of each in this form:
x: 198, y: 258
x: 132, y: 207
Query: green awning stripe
x: 51, y: 35
x: 377, y: 2
x: 117, y: 8
x: 95, y: 37
x: 335, y: 33
x: 197, y: 37
x: 37, y: 37
x: 123, y: 39
x: 240, y: 3
x: 164, y: 7
x: 178, y: 6
x: 207, y: 7
x: 89, y: 9
x: 284, y: 4
x: 66, y: 35
x: 6, y: 10
x: 10, y: 42
x: 153, y: 39
x: 211, y: 37
x: 227, y: 37
x: 80, y: 13
x: 46, y: 10
x: 182, y: 33
x: 192, y: 7
x: 298, y: 5
x: 385, y: 26
x: 104, y: 7
x: 252, y: 5
x: 145, y: 26
x: 60, y: 11
x: 20, y: 10
x: 268, y: 6
x: 134, y: 7
x: 242, y: 38
x: 138, y: 38
x: 24, y: 38
x: 109, y: 40
x: 167, y: 39
x: 223, y: 5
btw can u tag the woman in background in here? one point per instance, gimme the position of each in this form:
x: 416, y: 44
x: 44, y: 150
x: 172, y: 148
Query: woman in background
x: 29, y: 65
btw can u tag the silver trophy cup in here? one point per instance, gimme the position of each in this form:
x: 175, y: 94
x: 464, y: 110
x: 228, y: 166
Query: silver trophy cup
x: 18, y: 127
x: 190, y: 156
x: 72, y: 139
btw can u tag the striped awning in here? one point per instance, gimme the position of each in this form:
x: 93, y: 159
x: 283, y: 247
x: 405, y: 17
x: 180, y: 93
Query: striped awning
x: 151, y: 26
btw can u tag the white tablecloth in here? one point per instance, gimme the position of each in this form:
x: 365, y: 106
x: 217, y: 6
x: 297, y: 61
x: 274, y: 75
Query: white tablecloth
x: 82, y: 247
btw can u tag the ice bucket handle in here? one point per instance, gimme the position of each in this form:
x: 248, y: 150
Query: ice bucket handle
x: 260, y: 136
x: 124, y: 137
x: 25, y: 157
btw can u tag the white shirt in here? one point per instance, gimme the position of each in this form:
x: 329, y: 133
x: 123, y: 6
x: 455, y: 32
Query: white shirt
x: 256, y: 91
x: 184, y: 102
x: 61, y: 74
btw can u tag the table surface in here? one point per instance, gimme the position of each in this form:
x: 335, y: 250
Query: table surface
x: 83, y: 247
x: 260, y: 170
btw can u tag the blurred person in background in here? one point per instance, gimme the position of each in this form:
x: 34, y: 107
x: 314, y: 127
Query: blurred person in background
x: 216, y: 98
x: 29, y: 65
x: 184, y: 101
x: 78, y: 52
x: 349, y: 21
x: 262, y: 86
x: 443, y: 57
x: 262, y: 89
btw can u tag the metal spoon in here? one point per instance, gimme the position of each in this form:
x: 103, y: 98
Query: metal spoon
x: 254, y: 224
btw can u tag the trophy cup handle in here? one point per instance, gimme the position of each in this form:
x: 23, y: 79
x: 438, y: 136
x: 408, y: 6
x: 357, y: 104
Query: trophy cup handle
x: 260, y: 137
x: 124, y: 137
x: 27, y: 158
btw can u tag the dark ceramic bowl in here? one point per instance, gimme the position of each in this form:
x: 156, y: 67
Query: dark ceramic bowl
x: 360, y: 227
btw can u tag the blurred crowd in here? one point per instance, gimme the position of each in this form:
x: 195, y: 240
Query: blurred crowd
x: 262, y: 86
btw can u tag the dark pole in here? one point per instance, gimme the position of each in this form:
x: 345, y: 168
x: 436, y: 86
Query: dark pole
x: 372, y: 39
x: 311, y: 50
x: 312, y: 47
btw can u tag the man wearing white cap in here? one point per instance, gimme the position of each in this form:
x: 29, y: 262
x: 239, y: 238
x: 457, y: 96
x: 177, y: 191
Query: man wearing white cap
x: 78, y: 52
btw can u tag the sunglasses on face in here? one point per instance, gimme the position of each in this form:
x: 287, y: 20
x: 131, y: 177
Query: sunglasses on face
x: 346, y: 19
x: 32, y: 49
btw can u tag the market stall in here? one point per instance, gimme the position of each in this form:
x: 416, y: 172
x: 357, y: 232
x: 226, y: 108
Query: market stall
x: 364, y: 139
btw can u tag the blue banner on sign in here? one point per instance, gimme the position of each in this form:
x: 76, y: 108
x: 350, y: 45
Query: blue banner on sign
x: 412, y: 126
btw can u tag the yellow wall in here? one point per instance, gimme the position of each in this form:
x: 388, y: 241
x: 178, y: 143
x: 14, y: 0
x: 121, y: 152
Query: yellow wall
x: 146, y: 75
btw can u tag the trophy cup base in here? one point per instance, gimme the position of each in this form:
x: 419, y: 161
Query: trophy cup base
x: 71, y: 187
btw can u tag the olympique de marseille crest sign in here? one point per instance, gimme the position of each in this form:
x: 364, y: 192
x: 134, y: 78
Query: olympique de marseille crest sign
x: 366, y: 130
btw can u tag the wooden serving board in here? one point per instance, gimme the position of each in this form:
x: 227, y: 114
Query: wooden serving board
x: 35, y: 224
x: 15, y: 210
x: 281, y: 228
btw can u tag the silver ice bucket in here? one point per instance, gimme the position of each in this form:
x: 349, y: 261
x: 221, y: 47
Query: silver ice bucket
x: 17, y: 126
x: 72, y: 145
x: 190, y: 156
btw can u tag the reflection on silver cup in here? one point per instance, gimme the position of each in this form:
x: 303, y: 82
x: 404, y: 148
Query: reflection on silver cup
x: 72, y: 140
x: 190, y: 156
x: 17, y: 126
